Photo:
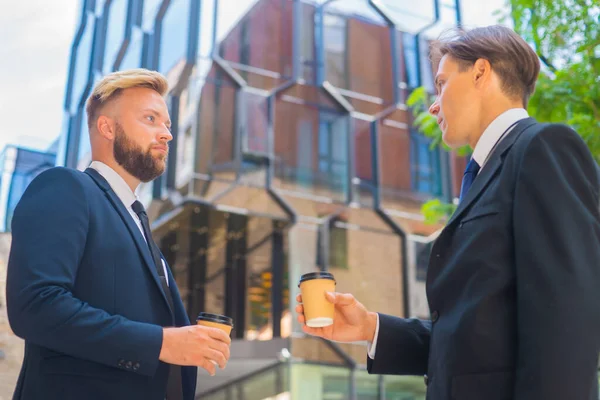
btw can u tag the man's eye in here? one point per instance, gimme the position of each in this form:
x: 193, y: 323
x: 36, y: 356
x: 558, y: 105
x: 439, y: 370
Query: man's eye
x: 150, y: 118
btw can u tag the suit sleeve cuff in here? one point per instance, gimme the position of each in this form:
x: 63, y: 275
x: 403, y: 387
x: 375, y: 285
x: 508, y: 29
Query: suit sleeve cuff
x: 372, y: 347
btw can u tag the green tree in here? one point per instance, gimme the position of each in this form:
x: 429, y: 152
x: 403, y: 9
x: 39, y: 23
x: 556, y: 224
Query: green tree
x: 566, y: 36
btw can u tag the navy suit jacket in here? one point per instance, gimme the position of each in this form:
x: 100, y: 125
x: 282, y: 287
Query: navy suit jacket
x: 513, y: 282
x: 83, y: 292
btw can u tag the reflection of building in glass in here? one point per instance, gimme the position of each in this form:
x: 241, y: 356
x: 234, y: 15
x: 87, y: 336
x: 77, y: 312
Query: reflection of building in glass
x: 19, y: 166
x: 293, y: 150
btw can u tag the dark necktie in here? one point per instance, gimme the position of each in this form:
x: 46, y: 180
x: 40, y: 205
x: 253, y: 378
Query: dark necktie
x: 174, y: 391
x: 469, y: 176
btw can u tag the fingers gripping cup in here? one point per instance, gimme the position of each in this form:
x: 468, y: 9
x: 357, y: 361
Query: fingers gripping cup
x: 317, y: 310
x: 215, y: 321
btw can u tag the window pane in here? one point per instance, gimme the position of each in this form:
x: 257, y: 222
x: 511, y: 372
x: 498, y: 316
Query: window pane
x: 255, y: 122
x: 354, y: 32
x: 363, y: 185
x: 425, y: 166
x: 205, y: 43
x: 256, y: 40
x: 305, y: 139
x: 150, y: 9
x: 115, y: 32
x: 133, y: 54
x: 84, y: 153
x: 216, y: 126
x: 408, y: 16
x: 447, y: 20
x: 394, y: 158
x: 174, y: 35
x: 83, y: 56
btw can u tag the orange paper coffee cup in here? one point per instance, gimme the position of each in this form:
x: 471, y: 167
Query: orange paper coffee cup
x: 318, y: 311
x: 215, y: 321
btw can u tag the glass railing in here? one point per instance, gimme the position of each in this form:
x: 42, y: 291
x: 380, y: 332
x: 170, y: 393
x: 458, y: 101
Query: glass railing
x: 299, y: 381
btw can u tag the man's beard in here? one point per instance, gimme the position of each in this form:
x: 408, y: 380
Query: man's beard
x: 142, y: 165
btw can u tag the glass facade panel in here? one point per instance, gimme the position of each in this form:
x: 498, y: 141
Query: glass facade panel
x: 447, y: 19
x: 133, y: 54
x: 207, y: 24
x: 174, y: 35
x: 363, y: 185
x: 352, y: 32
x: 311, y: 148
x: 115, y: 32
x: 408, y: 16
x: 216, y: 261
x: 394, y: 158
x: 260, y: 45
x: 149, y: 12
x: 425, y: 166
x: 255, y: 122
x: 84, y: 154
x: 216, y: 126
x: 83, y: 57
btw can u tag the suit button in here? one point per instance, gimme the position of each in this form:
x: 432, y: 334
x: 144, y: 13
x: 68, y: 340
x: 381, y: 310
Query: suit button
x: 435, y: 316
x: 121, y: 363
x: 129, y: 365
x: 136, y: 366
x: 426, y: 380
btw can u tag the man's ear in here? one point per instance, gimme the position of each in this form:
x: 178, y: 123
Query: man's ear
x: 482, y: 69
x: 106, y: 127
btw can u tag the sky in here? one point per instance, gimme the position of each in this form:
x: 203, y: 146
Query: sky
x: 35, y: 41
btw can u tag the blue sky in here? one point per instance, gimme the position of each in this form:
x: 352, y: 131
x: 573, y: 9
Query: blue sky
x: 35, y: 41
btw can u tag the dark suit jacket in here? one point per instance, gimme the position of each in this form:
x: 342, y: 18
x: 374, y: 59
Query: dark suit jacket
x: 513, y: 282
x: 83, y: 292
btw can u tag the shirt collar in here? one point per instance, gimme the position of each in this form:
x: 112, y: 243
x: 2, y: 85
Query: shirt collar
x: 116, y: 182
x: 493, y: 133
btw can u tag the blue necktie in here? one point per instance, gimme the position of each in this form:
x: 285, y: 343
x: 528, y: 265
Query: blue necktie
x: 468, y: 177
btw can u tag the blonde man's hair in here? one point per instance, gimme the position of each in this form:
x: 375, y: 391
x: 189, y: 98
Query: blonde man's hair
x: 112, y: 85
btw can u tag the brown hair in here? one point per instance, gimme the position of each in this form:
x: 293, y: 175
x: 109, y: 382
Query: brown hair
x: 515, y: 62
x: 113, y: 84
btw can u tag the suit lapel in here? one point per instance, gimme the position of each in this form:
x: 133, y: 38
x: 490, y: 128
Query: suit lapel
x: 132, y: 227
x: 490, y: 168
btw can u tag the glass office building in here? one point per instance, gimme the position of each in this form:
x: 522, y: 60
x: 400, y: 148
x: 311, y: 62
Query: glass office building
x: 293, y: 151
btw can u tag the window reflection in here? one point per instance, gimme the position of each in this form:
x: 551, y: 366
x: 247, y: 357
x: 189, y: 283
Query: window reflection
x: 150, y: 9
x: 255, y: 122
x: 425, y: 166
x: 84, y: 153
x: 259, y: 44
x: 311, y: 148
x: 216, y: 126
x: 133, y: 55
x: 352, y: 33
x: 363, y: 184
x: 394, y: 157
x: 408, y: 16
x: 174, y: 35
x: 115, y: 33
x: 205, y: 42
x: 83, y: 57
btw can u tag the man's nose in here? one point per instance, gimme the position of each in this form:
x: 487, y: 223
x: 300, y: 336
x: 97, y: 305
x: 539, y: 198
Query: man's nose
x: 165, y: 136
x: 435, y: 108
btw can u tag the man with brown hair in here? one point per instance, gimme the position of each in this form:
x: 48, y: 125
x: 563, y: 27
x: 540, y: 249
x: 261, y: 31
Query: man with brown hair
x: 87, y: 287
x: 513, y: 279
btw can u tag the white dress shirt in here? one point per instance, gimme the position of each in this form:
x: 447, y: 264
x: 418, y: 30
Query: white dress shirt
x: 125, y: 194
x: 493, y: 134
